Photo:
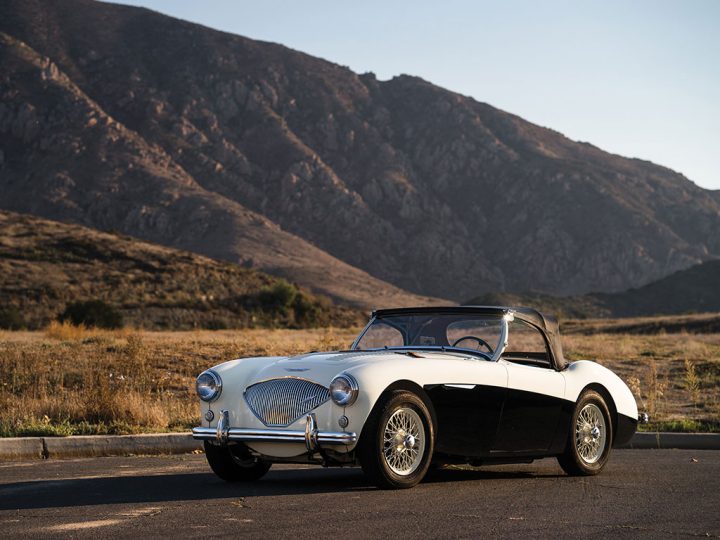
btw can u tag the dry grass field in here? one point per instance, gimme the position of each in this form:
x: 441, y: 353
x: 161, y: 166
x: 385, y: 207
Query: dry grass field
x: 69, y: 380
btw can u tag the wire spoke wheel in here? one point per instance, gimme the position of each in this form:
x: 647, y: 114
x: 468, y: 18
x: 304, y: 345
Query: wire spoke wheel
x: 396, y: 445
x: 403, y: 441
x: 590, y: 433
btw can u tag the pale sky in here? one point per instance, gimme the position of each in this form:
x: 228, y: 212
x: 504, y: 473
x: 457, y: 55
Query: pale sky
x: 640, y: 78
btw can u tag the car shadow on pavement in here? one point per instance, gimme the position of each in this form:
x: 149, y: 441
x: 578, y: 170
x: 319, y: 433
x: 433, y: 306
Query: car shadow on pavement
x: 206, y: 486
x: 468, y: 474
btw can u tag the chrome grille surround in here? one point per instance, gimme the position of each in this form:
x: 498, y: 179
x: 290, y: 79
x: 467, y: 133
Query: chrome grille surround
x: 282, y: 401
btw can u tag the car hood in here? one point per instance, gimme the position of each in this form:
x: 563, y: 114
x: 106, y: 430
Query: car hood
x: 318, y: 367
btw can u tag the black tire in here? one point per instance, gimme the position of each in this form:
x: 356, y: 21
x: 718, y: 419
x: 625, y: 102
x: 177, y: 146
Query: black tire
x: 372, y: 445
x: 234, y: 463
x: 582, y: 457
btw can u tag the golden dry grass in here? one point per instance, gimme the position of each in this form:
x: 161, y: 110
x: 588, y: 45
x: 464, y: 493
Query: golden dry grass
x: 70, y: 380
x: 675, y: 377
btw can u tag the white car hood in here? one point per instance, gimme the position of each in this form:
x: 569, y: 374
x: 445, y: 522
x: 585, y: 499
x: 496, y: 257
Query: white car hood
x: 321, y: 368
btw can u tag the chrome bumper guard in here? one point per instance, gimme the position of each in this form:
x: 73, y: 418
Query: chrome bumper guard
x: 312, y: 438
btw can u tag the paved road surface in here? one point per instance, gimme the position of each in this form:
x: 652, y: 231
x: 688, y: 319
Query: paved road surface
x: 641, y: 494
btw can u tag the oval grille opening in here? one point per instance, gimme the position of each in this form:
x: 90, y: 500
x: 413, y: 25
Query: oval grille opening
x: 280, y: 402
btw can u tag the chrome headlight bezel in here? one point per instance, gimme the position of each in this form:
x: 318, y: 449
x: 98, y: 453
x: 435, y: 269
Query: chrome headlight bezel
x: 208, y: 376
x: 344, y: 390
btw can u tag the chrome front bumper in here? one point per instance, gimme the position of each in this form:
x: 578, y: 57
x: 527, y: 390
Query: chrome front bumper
x: 312, y: 438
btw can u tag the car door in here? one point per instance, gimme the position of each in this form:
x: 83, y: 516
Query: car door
x: 468, y: 409
x: 534, y: 400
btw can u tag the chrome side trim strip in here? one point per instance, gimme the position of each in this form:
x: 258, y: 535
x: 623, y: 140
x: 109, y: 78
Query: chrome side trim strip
x: 275, y: 435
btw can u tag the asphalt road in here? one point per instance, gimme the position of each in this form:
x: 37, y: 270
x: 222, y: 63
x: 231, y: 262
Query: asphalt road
x: 640, y: 494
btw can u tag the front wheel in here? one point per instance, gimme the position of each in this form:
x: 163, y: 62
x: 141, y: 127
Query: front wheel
x: 234, y: 463
x: 590, y: 437
x: 397, y: 442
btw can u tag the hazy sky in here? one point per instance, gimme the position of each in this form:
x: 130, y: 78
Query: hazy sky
x: 639, y: 78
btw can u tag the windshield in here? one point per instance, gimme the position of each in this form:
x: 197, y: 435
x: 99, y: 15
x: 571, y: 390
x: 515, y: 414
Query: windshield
x: 478, y: 333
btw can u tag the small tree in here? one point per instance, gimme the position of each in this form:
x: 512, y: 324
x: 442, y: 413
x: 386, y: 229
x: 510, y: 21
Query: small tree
x: 92, y: 313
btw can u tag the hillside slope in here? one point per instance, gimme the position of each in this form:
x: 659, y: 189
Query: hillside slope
x: 251, y: 151
x: 695, y: 290
x: 45, y: 265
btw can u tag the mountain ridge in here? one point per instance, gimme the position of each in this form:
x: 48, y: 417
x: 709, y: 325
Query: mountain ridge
x: 412, y: 184
x: 693, y: 290
x: 133, y: 163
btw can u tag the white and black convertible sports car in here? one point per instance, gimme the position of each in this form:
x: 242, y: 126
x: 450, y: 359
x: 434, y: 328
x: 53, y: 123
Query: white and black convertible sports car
x: 418, y: 386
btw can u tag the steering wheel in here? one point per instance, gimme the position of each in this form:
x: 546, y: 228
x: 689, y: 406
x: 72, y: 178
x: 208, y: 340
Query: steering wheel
x: 480, y: 341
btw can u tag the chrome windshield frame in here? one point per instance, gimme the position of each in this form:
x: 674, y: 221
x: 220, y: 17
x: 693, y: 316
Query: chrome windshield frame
x: 506, y: 318
x: 504, y: 333
x: 353, y: 347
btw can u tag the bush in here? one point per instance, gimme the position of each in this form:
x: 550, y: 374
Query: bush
x: 278, y: 298
x: 307, y: 311
x: 92, y: 313
x: 10, y: 318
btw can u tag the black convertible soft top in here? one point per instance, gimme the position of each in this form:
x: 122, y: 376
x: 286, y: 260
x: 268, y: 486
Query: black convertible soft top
x: 548, y: 325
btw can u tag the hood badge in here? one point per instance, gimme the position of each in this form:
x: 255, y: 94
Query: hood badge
x: 296, y: 369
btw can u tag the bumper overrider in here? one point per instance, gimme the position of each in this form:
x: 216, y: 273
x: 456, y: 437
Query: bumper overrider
x: 311, y: 436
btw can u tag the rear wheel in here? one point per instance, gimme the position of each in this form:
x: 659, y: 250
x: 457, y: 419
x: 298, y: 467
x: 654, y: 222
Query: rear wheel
x: 234, y: 463
x: 590, y: 437
x: 397, y: 442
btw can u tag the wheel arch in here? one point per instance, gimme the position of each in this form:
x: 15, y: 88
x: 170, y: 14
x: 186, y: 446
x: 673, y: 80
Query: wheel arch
x: 584, y: 374
x: 609, y: 401
x: 408, y: 386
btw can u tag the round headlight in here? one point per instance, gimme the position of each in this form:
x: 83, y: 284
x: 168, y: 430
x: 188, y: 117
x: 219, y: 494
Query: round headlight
x: 208, y: 385
x: 344, y: 390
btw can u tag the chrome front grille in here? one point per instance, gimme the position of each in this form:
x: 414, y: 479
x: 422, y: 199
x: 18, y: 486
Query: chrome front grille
x: 280, y: 402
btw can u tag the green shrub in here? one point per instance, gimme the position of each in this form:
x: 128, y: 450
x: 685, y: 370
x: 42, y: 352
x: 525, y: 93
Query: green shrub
x: 10, y: 318
x: 92, y: 313
x: 278, y: 298
x: 307, y: 311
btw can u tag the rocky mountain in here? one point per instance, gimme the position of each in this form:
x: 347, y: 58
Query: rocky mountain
x: 63, y: 157
x: 695, y: 290
x: 124, y: 119
x: 46, y: 265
